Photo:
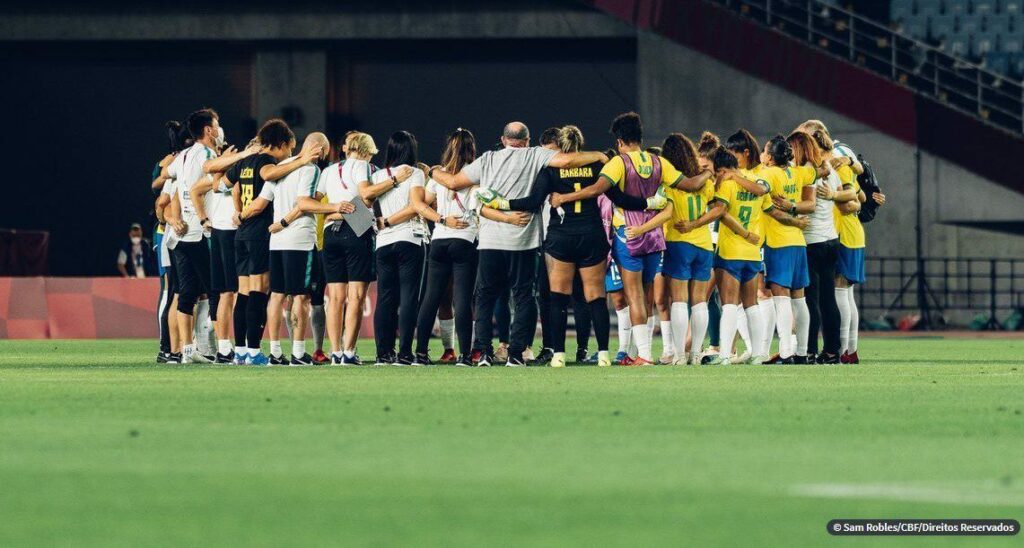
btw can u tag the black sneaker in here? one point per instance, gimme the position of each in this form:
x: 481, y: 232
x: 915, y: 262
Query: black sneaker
x: 787, y: 361
x: 422, y: 359
x: 161, y: 357
x: 812, y: 357
x: 517, y: 361
x: 174, y: 357
x: 486, y: 359
x: 543, y: 358
x: 463, y: 361
x: 801, y: 360
x: 581, y: 355
x: 706, y: 360
x: 306, y: 359
x: 826, y: 358
x: 225, y: 358
x: 385, y: 359
x: 278, y: 360
x: 403, y: 360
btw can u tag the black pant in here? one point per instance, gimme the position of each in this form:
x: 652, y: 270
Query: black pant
x: 399, y: 267
x: 821, y: 296
x: 502, y: 316
x: 167, y: 290
x: 580, y: 309
x: 581, y: 313
x: 450, y: 258
x: 506, y: 269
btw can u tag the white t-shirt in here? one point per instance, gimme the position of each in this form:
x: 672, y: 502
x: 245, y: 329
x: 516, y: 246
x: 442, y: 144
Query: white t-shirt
x: 300, y: 234
x: 455, y: 204
x: 395, y: 200
x: 170, y: 189
x: 510, y: 172
x: 191, y: 171
x: 822, y: 226
x: 220, y: 206
x: 339, y: 182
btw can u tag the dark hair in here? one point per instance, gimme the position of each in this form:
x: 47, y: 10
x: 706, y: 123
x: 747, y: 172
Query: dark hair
x: 177, y: 136
x: 723, y: 159
x: 681, y: 153
x: 628, y: 128
x: 611, y: 153
x: 744, y: 140
x: 402, y: 148
x: 708, y: 144
x: 275, y: 133
x: 780, y: 151
x: 550, y: 136
x: 459, y: 150
x: 654, y: 150
x: 199, y: 120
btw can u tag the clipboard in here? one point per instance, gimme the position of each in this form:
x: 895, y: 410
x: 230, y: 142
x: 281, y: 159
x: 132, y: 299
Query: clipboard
x: 361, y: 219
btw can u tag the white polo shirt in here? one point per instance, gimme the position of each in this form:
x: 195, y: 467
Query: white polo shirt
x: 300, y: 234
x: 461, y: 204
x: 395, y: 200
x: 339, y: 182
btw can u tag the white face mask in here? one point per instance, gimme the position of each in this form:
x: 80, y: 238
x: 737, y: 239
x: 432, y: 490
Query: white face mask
x: 136, y: 240
x: 219, y: 139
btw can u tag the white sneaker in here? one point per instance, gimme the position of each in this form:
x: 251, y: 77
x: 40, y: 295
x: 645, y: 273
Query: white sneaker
x: 666, y: 359
x: 603, y: 359
x: 681, y: 361
x: 742, y: 358
x: 558, y: 360
x: 758, y: 360
x: 191, y: 355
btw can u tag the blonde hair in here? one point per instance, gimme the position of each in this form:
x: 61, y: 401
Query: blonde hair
x: 810, y: 126
x: 361, y: 143
x: 822, y: 139
x: 570, y: 139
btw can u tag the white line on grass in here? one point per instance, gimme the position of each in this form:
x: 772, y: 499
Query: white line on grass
x: 937, y: 495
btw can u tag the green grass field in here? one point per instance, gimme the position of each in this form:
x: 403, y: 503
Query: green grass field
x: 100, y: 447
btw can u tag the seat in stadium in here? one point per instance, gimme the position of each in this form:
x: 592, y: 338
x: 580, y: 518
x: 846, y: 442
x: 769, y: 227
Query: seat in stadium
x: 983, y: 44
x: 916, y: 26
x: 957, y: 8
x: 996, y: 24
x: 959, y: 44
x: 928, y: 7
x: 998, y: 62
x: 1012, y: 7
x: 941, y: 26
x: 1011, y: 43
x: 899, y: 9
x: 968, y: 23
x: 982, y: 7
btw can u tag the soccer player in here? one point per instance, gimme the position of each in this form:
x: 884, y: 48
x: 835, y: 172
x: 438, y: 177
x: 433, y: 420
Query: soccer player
x: 292, y: 250
x: 247, y: 178
x: 191, y: 252
x: 850, y: 267
x: 508, y: 253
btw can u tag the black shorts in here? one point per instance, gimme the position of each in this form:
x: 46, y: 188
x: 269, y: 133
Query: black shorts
x: 347, y: 257
x: 581, y: 250
x: 252, y: 257
x: 223, y: 275
x: 291, y: 272
x: 192, y: 263
x: 171, y: 272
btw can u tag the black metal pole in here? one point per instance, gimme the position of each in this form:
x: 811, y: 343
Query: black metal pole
x: 922, y: 297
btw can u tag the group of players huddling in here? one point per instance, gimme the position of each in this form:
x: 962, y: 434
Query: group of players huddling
x: 721, y: 237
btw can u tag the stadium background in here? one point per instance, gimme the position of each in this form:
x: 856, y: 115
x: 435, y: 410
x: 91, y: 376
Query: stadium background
x: 95, y: 83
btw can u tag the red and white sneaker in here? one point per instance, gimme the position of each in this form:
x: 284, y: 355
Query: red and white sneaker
x: 319, y: 358
x: 851, y: 359
x: 474, y: 356
x: 448, y: 356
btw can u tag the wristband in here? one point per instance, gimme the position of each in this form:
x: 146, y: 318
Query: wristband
x: 386, y: 223
x: 430, y: 172
x: 284, y: 222
x: 204, y: 220
x: 792, y: 210
x: 442, y: 220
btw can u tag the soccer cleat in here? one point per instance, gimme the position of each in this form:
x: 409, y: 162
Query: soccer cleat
x: 475, y: 355
x: 224, y: 358
x: 241, y: 359
x: 306, y: 359
x: 543, y: 358
x: 743, y: 358
x: 826, y: 358
x: 492, y: 199
x: 501, y: 353
x: 638, y: 361
x: 558, y: 359
x: 278, y: 360
x: 776, y: 359
x: 485, y: 360
x: 849, y: 359
x: 515, y: 361
x: 464, y: 361
x: 603, y: 359
x: 621, y: 357
x: 714, y: 359
x: 854, y: 358
x: 681, y: 361
x: 422, y: 359
x: 259, y: 359
x: 666, y: 359
x: 319, y: 358
x: 448, y: 356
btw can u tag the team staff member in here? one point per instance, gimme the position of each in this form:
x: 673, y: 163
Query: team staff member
x: 292, y: 250
x: 508, y: 254
x: 399, y: 251
x: 191, y: 252
x: 252, y: 240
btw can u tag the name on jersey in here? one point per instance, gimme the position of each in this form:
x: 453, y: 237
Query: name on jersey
x: 246, y: 173
x: 745, y: 196
x: 789, y: 189
x: 568, y: 173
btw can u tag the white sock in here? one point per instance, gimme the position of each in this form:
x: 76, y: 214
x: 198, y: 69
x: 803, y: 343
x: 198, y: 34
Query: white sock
x: 298, y: 348
x: 667, y: 344
x: 275, y: 349
x: 241, y: 350
x: 447, y: 333
x: 854, y: 323
x: 742, y: 328
x: 678, y: 325
x: 224, y: 346
x: 642, y: 339
x: 253, y: 352
x: 201, y: 331
x: 802, y: 318
x: 756, y: 325
x: 768, y: 319
x: 349, y: 353
x: 625, y: 329
x: 727, y: 332
x: 843, y: 302
x: 699, y: 319
x: 337, y: 354
x: 784, y: 322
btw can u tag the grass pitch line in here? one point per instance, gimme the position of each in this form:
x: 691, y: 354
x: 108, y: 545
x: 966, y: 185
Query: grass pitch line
x: 937, y: 495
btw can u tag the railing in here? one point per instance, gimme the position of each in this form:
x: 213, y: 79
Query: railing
x: 959, y: 83
x: 993, y: 287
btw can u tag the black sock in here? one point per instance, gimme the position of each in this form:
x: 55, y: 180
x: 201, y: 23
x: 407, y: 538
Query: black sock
x: 600, y: 321
x: 255, y: 319
x: 558, y: 317
x: 238, y: 318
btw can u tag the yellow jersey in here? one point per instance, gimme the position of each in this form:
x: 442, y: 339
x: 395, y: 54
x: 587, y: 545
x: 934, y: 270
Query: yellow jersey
x: 747, y: 208
x: 689, y: 206
x: 851, y: 231
x: 643, y: 162
x: 789, y: 184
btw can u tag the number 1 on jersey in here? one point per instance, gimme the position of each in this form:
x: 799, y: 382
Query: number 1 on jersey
x: 577, y: 207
